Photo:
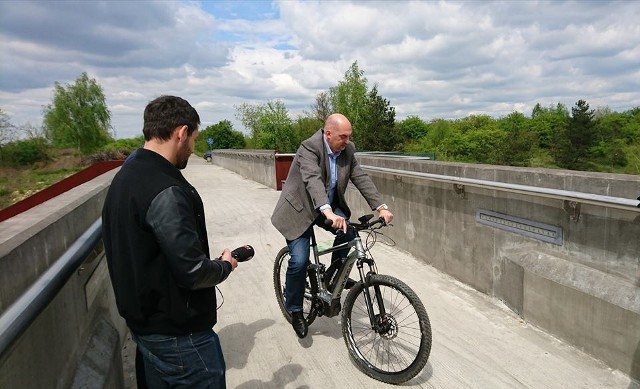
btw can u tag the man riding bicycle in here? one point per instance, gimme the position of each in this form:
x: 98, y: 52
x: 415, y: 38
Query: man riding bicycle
x: 314, y: 192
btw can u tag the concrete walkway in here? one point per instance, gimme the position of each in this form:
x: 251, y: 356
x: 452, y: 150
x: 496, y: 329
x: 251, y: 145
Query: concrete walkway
x: 477, y: 342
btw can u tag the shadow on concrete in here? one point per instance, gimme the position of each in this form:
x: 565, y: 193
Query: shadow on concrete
x: 306, y: 342
x: 322, y: 326
x: 281, y: 378
x: 238, y: 356
x: 422, y: 378
x: 325, y: 326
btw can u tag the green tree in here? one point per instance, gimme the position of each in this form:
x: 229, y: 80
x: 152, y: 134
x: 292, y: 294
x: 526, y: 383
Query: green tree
x: 480, y: 136
x: 474, y: 122
x: 631, y: 129
x: 473, y: 139
x: 411, y: 129
x: 78, y: 116
x: 631, y: 133
x: 517, y: 141
x: 618, y: 139
x: 547, y: 122
x: 573, y: 145
x: 433, y: 141
x: 223, y: 135
x: 305, y: 126
x: 454, y: 145
x: 437, y: 131
x: 349, y: 98
x: 611, y: 138
x: 269, y: 124
x: 371, y: 115
x: 378, y: 131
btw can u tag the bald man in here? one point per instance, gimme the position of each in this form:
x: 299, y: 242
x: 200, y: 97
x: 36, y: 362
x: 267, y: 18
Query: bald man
x: 314, y: 192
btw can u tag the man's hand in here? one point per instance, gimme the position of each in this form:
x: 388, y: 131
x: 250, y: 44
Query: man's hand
x: 337, y: 221
x: 226, y: 256
x: 386, y: 215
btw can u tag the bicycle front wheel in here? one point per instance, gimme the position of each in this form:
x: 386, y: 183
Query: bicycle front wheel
x: 397, y: 348
x: 279, y: 285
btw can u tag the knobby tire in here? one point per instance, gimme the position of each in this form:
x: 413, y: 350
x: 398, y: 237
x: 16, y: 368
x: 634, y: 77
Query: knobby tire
x: 399, y: 352
x: 279, y: 282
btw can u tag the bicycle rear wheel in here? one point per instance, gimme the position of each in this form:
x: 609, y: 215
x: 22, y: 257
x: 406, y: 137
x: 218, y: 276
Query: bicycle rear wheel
x: 398, y: 348
x: 279, y: 284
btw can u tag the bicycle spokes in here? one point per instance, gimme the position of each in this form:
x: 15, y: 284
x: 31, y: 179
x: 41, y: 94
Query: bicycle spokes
x: 392, y: 343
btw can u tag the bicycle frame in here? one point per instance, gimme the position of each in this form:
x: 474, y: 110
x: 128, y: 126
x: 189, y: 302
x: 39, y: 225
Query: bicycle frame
x: 330, y: 297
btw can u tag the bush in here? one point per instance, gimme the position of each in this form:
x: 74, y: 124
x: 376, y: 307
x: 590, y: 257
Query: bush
x: 24, y: 152
x: 108, y: 155
x: 115, y: 151
x: 123, y: 145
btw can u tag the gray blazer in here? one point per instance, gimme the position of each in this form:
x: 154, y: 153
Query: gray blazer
x: 307, y: 184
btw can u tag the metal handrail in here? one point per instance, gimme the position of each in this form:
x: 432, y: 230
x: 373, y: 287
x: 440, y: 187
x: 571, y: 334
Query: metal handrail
x: 579, y: 197
x: 17, y: 318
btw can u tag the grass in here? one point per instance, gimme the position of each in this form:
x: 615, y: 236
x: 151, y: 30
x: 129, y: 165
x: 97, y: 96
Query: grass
x: 19, y: 183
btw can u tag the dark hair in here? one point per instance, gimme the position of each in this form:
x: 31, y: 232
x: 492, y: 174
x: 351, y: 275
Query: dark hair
x: 163, y: 114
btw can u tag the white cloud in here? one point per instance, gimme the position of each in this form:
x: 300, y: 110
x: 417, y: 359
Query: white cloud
x: 430, y: 59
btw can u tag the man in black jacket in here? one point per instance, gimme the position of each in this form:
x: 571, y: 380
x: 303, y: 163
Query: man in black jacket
x: 156, y: 245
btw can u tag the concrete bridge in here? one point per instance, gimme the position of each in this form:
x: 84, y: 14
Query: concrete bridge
x: 525, y: 288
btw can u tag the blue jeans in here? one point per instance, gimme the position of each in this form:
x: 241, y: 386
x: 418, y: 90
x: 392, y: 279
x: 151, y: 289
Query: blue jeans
x: 189, y: 361
x: 299, y: 250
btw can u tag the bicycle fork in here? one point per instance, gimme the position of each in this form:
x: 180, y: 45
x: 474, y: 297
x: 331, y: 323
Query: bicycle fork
x: 376, y: 321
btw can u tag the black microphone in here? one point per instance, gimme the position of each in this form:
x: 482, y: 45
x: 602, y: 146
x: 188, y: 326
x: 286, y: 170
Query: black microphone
x: 243, y: 253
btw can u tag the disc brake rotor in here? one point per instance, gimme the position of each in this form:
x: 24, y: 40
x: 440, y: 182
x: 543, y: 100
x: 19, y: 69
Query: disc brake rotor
x: 387, y: 326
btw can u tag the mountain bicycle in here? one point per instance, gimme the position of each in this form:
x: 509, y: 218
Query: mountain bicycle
x: 384, y: 324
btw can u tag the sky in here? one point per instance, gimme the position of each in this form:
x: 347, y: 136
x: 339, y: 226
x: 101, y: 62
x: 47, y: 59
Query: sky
x: 431, y: 59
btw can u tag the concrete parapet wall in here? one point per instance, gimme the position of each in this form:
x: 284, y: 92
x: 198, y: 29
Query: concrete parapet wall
x: 31, y: 241
x: 60, y: 344
x: 257, y: 165
x: 584, y: 290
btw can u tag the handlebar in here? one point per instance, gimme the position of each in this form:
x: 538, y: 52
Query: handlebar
x: 364, y: 223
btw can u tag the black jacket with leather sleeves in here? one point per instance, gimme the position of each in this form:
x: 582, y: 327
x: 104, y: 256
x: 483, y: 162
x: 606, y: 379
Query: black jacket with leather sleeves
x: 157, y: 252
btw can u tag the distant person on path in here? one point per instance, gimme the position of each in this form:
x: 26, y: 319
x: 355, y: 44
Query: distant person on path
x: 157, y: 251
x: 314, y: 192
